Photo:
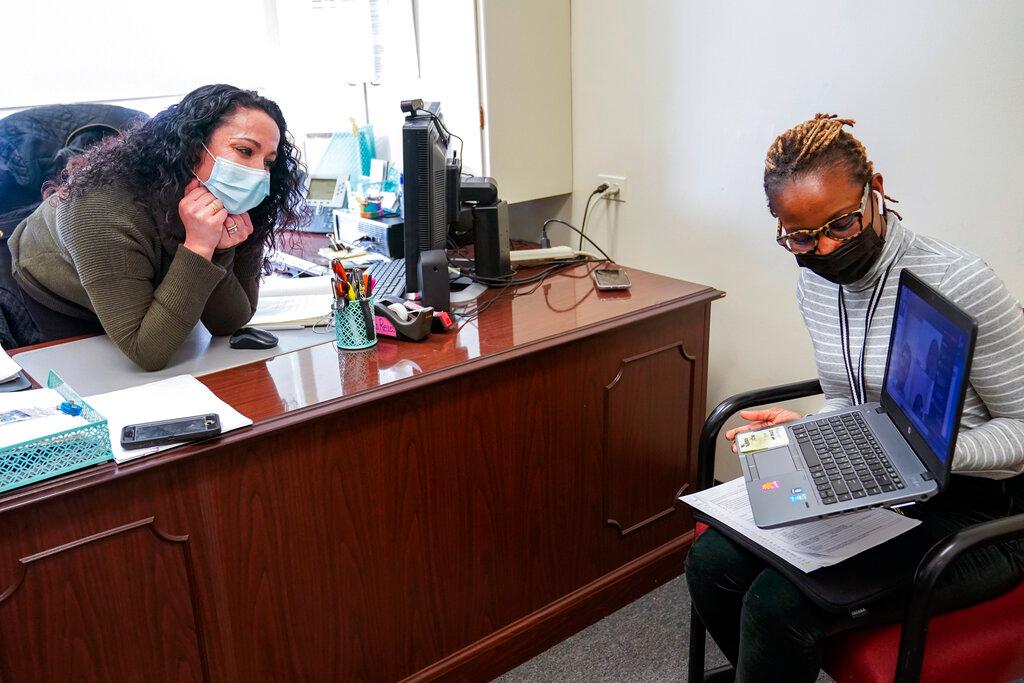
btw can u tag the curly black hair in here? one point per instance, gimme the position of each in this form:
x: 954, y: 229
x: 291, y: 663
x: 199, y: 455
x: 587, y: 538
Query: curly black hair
x: 155, y: 159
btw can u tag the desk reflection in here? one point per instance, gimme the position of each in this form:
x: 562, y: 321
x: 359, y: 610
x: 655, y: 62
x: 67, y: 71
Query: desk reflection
x: 508, y: 318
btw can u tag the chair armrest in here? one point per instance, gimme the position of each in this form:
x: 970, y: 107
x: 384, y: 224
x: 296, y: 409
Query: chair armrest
x: 910, y: 658
x: 727, y: 408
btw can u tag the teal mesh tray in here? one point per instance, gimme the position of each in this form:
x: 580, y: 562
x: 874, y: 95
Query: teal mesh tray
x: 52, y: 455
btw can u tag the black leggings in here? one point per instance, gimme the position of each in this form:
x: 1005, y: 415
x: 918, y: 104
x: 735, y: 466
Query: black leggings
x: 770, y: 631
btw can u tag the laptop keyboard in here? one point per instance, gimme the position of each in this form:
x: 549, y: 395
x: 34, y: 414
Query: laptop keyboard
x: 844, y: 458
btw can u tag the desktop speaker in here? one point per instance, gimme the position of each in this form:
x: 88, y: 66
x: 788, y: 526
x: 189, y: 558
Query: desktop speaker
x: 491, y: 257
x: 433, y: 278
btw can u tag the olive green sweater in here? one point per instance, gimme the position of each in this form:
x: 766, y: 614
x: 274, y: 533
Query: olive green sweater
x: 101, y: 256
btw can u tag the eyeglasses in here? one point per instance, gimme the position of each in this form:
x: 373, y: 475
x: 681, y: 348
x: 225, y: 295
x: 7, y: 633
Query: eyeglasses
x: 841, y: 229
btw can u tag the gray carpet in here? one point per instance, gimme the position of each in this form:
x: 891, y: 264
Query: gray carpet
x: 646, y: 640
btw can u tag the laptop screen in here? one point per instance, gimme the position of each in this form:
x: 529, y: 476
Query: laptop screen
x: 928, y: 361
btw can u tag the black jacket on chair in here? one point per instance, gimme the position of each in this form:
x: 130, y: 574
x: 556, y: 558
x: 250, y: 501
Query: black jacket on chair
x: 35, y: 145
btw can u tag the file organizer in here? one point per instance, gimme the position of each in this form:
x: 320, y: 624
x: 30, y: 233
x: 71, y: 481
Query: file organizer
x: 55, y: 454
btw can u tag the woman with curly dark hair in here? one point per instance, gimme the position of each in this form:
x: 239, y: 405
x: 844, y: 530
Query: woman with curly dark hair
x: 158, y: 229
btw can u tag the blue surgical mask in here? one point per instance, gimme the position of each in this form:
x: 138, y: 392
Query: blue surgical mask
x: 240, y: 188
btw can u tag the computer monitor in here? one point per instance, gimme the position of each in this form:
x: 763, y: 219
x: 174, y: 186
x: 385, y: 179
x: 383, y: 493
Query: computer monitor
x: 425, y: 156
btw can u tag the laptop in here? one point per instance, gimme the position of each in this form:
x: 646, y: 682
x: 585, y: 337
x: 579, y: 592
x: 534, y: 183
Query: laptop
x: 876, y: 454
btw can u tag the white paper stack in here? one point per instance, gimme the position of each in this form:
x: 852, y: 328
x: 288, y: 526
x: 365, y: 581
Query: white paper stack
x: 182, y: 396
x: 289, y: 302
x: 807, y: 546
x: 8, y: 368
x: 27, y: 415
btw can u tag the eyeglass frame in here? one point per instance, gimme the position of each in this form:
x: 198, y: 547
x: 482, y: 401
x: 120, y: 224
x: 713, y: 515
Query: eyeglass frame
x: 815, y: 232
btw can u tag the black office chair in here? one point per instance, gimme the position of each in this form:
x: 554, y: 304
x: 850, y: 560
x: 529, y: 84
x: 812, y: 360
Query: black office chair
x: 981, y: 642
x: 36, y: 144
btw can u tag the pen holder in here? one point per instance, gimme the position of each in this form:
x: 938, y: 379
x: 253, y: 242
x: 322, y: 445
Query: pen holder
x: 353, y: 325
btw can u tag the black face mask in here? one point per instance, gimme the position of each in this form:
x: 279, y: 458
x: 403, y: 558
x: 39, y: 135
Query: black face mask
x: 848, y: 263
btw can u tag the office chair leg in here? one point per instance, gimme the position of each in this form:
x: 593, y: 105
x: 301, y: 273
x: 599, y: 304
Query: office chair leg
x: 698, y: 638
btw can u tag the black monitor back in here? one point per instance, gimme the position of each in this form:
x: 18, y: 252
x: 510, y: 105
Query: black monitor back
x: 424, y: 152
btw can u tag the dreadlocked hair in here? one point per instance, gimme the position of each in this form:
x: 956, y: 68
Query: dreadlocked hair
x: 814, y: 145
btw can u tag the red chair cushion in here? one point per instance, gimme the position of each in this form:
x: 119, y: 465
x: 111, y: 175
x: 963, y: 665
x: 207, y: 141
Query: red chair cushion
x: 981, y: 643
x: 984, y: 642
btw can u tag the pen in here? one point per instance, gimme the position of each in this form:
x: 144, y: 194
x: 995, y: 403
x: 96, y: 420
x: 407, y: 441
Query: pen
x: 338, y: 268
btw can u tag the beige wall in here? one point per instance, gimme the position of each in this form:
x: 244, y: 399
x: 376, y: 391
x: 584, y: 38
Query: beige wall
x: 684, y: 97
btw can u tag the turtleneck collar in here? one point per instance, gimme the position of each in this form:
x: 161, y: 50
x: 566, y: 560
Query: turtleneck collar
x: 897, y: 239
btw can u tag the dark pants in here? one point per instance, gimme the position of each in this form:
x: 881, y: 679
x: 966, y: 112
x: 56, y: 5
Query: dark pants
x: 770, y: 631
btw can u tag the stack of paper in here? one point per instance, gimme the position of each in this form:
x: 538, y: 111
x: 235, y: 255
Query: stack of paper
x: 181, y: 396
x: 27, y: 415
x: 290, y: 302
x: 807, y: 546
x: 8, y: 368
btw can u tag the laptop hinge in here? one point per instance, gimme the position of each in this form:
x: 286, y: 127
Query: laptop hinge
x: 927, y: 476
x: 880, y: 410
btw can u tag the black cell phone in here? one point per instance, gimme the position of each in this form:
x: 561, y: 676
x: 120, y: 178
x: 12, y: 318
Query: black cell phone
x: 611, y: 278
x: 180, y: 430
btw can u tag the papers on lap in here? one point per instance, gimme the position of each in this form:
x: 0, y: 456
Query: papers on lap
x: 808, y: 546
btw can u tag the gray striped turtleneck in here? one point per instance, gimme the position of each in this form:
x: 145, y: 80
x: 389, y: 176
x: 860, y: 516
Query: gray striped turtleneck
x: 991, y: 439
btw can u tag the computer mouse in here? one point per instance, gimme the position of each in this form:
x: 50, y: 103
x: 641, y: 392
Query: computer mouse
x: 252, y: 338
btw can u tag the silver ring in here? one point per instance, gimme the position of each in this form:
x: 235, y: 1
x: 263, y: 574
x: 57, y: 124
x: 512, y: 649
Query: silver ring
x: 232, y: 229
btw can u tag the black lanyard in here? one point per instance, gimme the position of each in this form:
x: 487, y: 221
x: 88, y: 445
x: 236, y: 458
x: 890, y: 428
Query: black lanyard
x: 858, y: 387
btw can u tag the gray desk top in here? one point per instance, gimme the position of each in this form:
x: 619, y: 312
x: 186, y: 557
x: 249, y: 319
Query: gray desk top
x: 95, y: 365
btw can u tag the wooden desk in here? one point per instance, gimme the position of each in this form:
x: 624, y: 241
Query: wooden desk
x: 442, y: 509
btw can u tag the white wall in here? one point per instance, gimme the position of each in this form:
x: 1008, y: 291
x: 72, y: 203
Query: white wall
x: 684, y: 97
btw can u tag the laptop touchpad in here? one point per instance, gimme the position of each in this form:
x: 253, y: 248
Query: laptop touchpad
x: 772, y: 463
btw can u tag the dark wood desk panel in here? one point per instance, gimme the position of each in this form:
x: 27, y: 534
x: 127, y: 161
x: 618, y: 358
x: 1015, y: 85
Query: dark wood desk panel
x: 438, y: 509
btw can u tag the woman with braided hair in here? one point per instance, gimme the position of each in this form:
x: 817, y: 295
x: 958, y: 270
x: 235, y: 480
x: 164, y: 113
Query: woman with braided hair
x: 832, y: 215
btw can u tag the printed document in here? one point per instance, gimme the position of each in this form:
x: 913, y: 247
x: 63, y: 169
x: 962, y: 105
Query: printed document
x: 808, y: 546
x: 8, y: 368
x: 293, y: 302
x: 181, y: 396
x: 27, y: 415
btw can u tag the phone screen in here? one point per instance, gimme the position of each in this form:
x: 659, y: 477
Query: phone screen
x: 147, y: 432
x: 611, y: 277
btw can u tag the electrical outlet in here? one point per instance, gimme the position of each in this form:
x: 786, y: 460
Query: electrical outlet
x: 614, y: 181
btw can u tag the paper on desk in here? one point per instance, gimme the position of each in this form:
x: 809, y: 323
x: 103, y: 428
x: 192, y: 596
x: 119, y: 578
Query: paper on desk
x: 34, y: 402
x: 8, y: 368
x: 290, y: 301
x: 807, y: 546
x: 344, y: 254
x: 181, y: 396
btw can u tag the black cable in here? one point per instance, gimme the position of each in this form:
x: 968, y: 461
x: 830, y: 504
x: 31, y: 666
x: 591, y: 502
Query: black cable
x: 440, y: 123
x: 582, y: 236
x: 537, y: 277
x: 530, y: 279
x: 586, y: 210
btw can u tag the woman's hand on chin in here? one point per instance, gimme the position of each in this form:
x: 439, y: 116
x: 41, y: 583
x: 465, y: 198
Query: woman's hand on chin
x: 203, y: 216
